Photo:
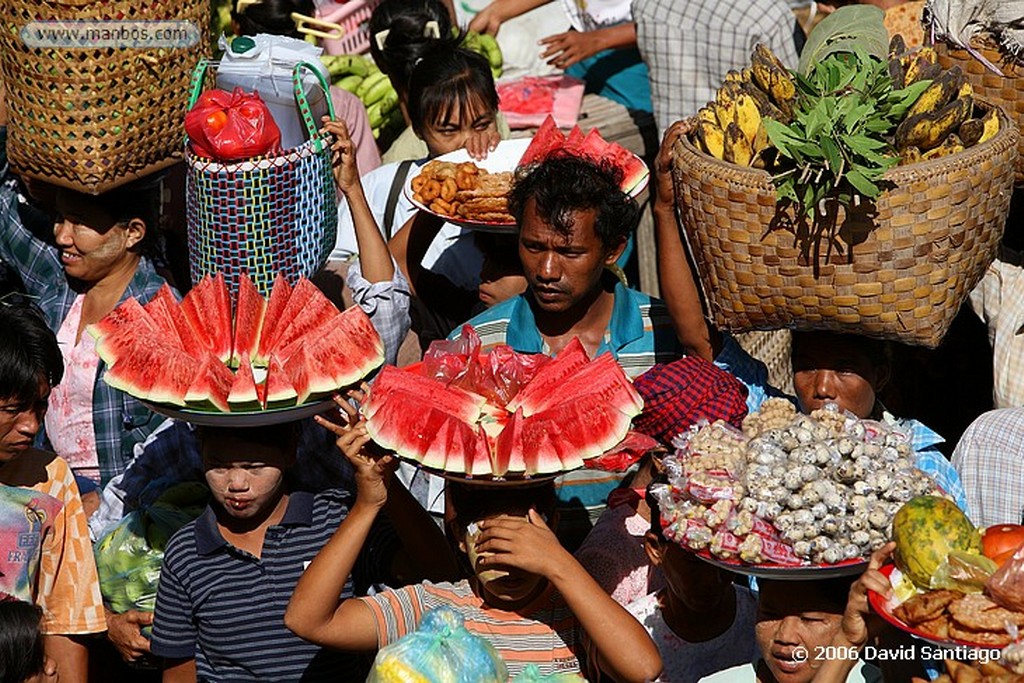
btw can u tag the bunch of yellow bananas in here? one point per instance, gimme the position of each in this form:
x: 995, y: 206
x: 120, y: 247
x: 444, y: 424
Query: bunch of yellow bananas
x: 940, y: 122
x: 730, y: 128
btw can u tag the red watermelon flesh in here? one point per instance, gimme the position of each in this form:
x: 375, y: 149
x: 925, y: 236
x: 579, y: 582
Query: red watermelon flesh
x: 192, y: 346
x: 302, y: 295
x: 315, y: 314
x: 158, y: 310
x: 279, y: 392
x: 243, y: 396
x: 570, y: 359
x: 306, y: 373
x: 115, y: 334
x: 412, y: 434
x: 177, y: 371
x: 601, y: 376
x: 574, y: 140
x: 210, y: 389
x: 363, y: 339
x: 218, y: 302
x: 347, y: 347
x: 296, y: 369
x: 508, y: 452
x: 590, y: 425
x: 459, y: 403
x: 249, y: 309
x: 279, y: 295
x: 135, y: 371
x: 194, y: 310
x: 547, y: 139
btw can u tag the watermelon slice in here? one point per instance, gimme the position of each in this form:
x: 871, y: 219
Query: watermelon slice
x: 508, y: 453
x: 279, y: 295
x: 570, y: 359
x: 547, y: 139
x: 172, y: 308
x: 459, y: 403
x: 601, y: 376
x: 116, y: 333
x: 135, y: 371
x: 193, y: 309
x: 316, y: 313
x: 210, y: 389
x: 249, y: 310
x: 304, y: 371
x: 218, y: 302
x: 574, y: 140
x: 302, y: 295
x: 159, y: 310
x: 279, y: 392
x: 243, y: 396
x: 177, y: 371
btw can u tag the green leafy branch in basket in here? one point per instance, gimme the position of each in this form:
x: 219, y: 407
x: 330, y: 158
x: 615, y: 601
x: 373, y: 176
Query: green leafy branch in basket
x: 839, y: 142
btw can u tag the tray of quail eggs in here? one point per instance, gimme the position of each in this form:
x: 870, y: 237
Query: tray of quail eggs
x: 790, y: 494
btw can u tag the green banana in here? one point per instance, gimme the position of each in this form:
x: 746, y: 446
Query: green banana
x: 396, y: 119
x: 374, y: 115
x: 491, y: 50
x: 388, y: 102
x: 495, y: 73
x: 349, y: 83
x: 368, y: 84
x: 338, y: 65
x: 377, y: 91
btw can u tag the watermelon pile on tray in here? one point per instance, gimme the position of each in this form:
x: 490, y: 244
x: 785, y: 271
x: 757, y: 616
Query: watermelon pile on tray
x: 549, y: 139
x: 558, y: 414
x: 297, y: 342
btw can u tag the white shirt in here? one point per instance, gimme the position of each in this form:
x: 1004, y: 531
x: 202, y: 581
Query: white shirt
x: 686, y: 662
x: 452, y: 254
x: 589, y: 15
x: 999, y: 301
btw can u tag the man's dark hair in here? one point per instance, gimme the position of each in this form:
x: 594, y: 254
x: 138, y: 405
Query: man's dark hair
x: 21, y: 641
x: 271, y: 16
x: 565, y: 183
x: 407, y: 40
x: 471, y: 502
x: 28, y: 351
x: 447, y: 81
x: 283, y: 437
x: 878, y: 352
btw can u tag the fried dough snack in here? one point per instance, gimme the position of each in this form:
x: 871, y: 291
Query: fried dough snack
x: 464, y: 191
x: 949, y: 614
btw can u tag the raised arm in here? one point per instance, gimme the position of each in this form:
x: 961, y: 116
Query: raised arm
x: 624, y: 650
x: 675, y: 278
x: 490, y: 18
x: 562, y: 50
x: 315, y: 611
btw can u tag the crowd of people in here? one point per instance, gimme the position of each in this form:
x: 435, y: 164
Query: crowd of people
x: 316, y: 549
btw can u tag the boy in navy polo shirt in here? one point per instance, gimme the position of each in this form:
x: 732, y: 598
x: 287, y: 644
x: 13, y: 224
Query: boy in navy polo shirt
x: 227, y: 577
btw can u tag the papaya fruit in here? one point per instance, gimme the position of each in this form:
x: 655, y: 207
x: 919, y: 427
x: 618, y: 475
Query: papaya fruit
x: 926, y: 529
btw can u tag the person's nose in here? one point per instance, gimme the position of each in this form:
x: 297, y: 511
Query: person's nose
x: 825, y: 384
x: 238, y: 479
x: 548, y: 269
x: 62, y: 233
x: 788, y: 631
x: 29, y: 422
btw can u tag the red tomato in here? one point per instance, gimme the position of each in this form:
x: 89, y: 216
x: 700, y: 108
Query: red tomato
x: 1000, y: 541
x: 215, y: 120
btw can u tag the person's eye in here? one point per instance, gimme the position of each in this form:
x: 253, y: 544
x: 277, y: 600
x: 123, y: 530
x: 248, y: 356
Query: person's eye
x: 482, y: 125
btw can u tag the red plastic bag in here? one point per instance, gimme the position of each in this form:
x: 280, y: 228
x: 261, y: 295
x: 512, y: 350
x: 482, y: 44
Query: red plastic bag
x: 231, y: 126
x: 448, y: 361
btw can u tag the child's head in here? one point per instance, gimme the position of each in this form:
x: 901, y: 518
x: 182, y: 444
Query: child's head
x: 245, y: 468
x: 697, y: 584
x: 468, y: 504
x: 795, y: 619
x: 22, y: 658
x: 451, y: 96
x: 841, y: 368
x: 402, y: 32
x: 269, y: 16
x: 501, y: 273
x: 30, y: 364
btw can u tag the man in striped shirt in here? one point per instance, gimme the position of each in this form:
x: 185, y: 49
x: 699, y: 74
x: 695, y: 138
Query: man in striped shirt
x: 227, y: 577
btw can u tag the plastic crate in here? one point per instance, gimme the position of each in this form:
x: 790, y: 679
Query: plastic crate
x: 351, y: 23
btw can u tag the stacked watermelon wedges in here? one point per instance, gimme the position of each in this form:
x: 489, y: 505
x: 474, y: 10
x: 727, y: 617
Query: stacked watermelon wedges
x: 197, y: 355
x: 549, y: 139
x: 572, y: 409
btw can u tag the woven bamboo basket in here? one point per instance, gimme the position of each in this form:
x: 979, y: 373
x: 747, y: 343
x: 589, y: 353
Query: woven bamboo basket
x: 898, y: 269
x: 93, y: 118
x: 1006, y: 91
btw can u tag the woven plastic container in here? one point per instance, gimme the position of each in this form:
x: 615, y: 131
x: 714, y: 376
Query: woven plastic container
x: 351, y: 21
x: 899, y: 270
x: 263, y: 216
x: 91, y: 119
x: 1006, y: 91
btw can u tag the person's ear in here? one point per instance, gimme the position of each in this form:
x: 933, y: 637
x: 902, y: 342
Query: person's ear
x: 136, y: 232
x: 652, y: 544
x: 613, y: 254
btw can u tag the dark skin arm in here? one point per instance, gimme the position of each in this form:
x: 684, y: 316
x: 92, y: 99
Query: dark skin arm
x: 562, y: 50
x: 179, y: 671
x: 71, y: 657
x: 675, y: 277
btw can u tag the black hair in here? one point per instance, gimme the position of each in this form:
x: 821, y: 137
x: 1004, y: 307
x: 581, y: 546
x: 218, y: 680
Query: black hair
x: 283, y: 437
x: 21, y: 641
x: 878, y: 352
x: 564, y: 183
x: 271, y: 16
x: 28, y: 351
x: 447, y: 81
x: 827, y: 595
x: 469, y: 502
x: 140, y: 199
x: 408, y: 40
x: 499, y: 248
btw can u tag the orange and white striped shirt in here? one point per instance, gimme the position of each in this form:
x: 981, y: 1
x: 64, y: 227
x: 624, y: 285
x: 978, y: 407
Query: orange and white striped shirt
x: 545, y: 632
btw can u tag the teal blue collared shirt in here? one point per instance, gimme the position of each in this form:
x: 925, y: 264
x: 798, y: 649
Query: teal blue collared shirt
x: 639, y: 334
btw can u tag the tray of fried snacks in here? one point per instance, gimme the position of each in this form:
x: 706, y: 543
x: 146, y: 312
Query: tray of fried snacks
x: 948, y: 618
x: 472, y: 194
x: 980, y: 670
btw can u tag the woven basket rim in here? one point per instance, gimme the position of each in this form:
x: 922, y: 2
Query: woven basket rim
x: 311, y: 147
x: 899, y: 175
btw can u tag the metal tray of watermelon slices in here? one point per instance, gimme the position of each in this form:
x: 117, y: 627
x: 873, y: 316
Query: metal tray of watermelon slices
x: 255, y: 418
x: 504, y: 158
x: 787, y: 572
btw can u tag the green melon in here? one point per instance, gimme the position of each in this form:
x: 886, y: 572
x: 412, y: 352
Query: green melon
x: 926, y: 529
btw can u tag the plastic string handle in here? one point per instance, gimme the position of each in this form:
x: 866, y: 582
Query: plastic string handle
x: 303, y: 102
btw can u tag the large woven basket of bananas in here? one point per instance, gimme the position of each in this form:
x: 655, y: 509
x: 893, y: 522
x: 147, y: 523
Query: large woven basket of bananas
x: 864, y: 193
x: 1004, y: 89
